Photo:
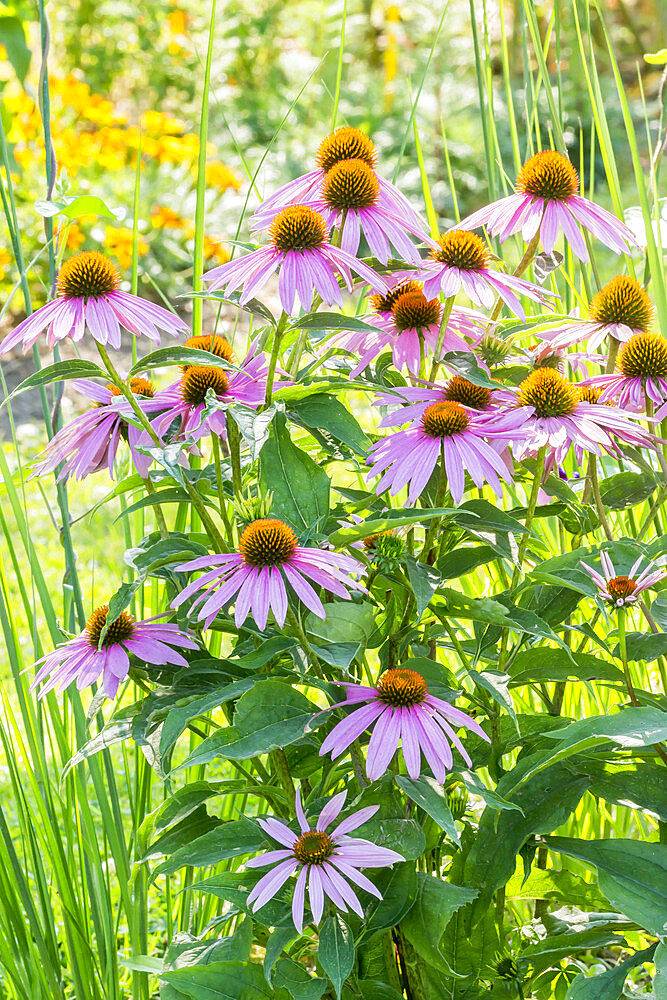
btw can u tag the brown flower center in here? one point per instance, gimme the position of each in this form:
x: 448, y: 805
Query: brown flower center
x: 413, y: 311
x: 402, y: 688
x: 371, y: 540
x: 298, y: 227
x: 87, y: 275
x: 644, y: 356
x: 549, y: 393
x: 198, y: 379
x: 460, y: 390
x: 139, y: 386
x: 313, y: 847
x: 444, y: 419
x: 384, y: 303
x: 350, y: 184
x: 213, y: 344
x: 463, y: 250
x: 620, y: 587
x: 119, y: 631
x: 622, y: 300
x: 548, y: 175
x: 345, y: 143
x: 267, y: 542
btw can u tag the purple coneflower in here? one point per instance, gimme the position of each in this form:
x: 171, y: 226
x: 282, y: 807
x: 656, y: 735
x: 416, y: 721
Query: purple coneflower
x: 268, y: 557
x: 619, y: 310
x: 449, y: 430
x: 400, y: 708
x: 90, y: 442
x: 80, y: 659
x: 565, y: 416
x: 640, y: 376
x: 301, y: 251
x: 547, y: 199
x: 414, y: 400
x: 88, y: 297
x: 623, y: 590
x: 328, y: 862
x: 345, y: 143
x: 460, y: 260
x: 351, y: 197
x: 408, y: 323
x: 186, y: 399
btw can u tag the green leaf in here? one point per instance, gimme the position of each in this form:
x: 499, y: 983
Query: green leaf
x: 336, y: 951
x: 424, y: 581
x: 345, y: 623
x: 398, y: 886
x: 402, y: 835
x: 74, y: 208
x: 221, y: 981
x: 254, y: 425
x: 644, y: 646
x: 638, y: 786
x: 324, y: 413
x: 607, y: 985
x: 228, y: 840
x: 424, y: 925
x: 178, y: 718
x: 166, y: 356
x: 627, y: 489
x: 631, y: 874
x: 474, y: 784
x: 496, y: 683
x: 300, y: 486
x: 544, y: 663
x: 271, y: 715
x: 394, y: 519
x: 12, y: 37
x: 432, y: 798
x: 61, y: 371
x: 561, y: 887
x: 331, y: 321
x: 464, y: 559
x: 295, y: 979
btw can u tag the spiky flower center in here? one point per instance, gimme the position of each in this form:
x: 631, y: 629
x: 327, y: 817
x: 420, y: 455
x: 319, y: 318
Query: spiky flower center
x: 198, y: 379
x: 402, y: 688
x: 139, y: 386
x: 506, y: 968
x: 622, y: 300
x: 463, y: 250
x: 384, y: 303
x: 413, y: 311
x: 621, y: 587
x: 493, y: 350
x: 213, y: 344
x: 444, y: 419
x: 313, y: 847
x: 346, y: 143
x: 644, y: 356
x: 548, y: 175
x: 589, y: 393
x: 119, y: 630
x: 371, y: 540
x: 298, y: 227
x: 549, y: 393
x: 267, y: 542
x: 460, y: 390
x: 87, y: 275
x: 350, y: 184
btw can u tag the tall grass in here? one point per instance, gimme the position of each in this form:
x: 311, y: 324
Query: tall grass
x: 79, y: 915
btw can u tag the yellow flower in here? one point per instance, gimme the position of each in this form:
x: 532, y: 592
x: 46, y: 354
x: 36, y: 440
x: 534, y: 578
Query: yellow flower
x: 214, y: 250
x: 157, y: 123
x: 178, y: 21
x: 118, y: 242
x: 5, y: 261
x: 163, y: 217
x: 74, y: 236
x: 219, y: 176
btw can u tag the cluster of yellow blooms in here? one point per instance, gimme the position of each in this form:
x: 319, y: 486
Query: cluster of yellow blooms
x: 88, y: 130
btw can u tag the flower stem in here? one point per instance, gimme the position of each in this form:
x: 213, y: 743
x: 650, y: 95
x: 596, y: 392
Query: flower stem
x: 277, y: 340
x: 446, y: 313
x: 435, y: 522
x: 215, y: 442
x: 234, y: 439
x: 522, y: 266
x: 530, y: 514
x: 613, y: 351
x: 622, y: 648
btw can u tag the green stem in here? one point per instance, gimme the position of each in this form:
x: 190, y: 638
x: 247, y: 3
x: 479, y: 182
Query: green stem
x: 530, y: 514
x: 613, y: 352
x: 200, y: 208
x: 522, y: 266
x: 281, y: 767
x: 624, y: 657
x: 215, y: 441
x: 599, y: 506
x: 446, y: 313
x: 277, y: 340
x: 435, y: 522
x: 234, y: 439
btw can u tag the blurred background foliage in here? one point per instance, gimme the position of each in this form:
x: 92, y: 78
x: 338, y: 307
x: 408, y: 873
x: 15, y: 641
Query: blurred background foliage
x: 125, y: 71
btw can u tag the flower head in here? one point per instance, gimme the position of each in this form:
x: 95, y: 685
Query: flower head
x: 641, y: 373
x: 269, y: 557
x: 445, y: 428
x: 546, y: 199
x: 86, y: 657
x: 460, y: 260
x: 300, y: 249
x: 414, y: 400
x: 401, y: 708
x: 89, y: 297
x: 620, y: 591
x: 326, y: 862
x: 558, y: 416
x: 91, y: 441
x: 619, y: 310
